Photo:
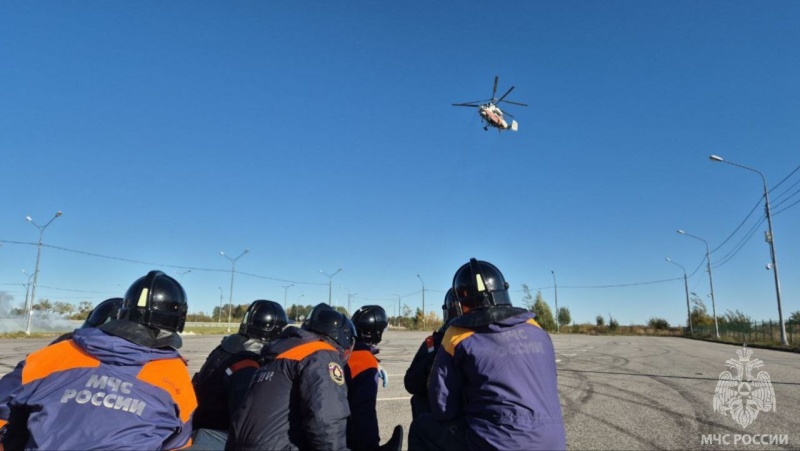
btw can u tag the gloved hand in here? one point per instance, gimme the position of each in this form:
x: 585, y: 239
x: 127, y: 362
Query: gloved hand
x: 382, y: 375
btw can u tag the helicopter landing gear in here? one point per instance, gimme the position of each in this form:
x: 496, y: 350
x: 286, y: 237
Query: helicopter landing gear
x: 486, y: 128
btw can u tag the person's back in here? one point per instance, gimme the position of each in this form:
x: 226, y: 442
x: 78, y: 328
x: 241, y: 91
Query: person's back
x: 298, y: 398
x: 225, y: 376
x: 121, y: 385
x: 510, y: 395
x: 418, y: 372
x: 362, y: 374
x: 493, y: 384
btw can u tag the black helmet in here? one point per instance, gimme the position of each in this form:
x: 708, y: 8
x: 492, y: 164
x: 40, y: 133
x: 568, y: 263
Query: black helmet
x: 370, y: 322
x: 334, y: 325
x: 103, y: 312
x: 155, y: 300
x: 478, y: 285
x: 450, y: 308
x: 263, y: 320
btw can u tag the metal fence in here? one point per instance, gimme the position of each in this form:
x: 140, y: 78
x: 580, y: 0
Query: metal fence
x: 752, y: 332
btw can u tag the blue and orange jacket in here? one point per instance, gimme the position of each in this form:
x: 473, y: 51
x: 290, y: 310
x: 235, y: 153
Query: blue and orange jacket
x: 297, y: 399
x: 417, y: 374
x: 501, y: 379
x: 361, y: 374
x: 224, y: 379
x: 99, y: 391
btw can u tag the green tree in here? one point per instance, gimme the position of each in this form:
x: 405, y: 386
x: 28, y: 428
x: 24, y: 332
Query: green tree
x: 700, y: 316
x: 63, y: 308
x: 613, y: 324
x: 738, y: 321
x: 658, y: 323
x: 564, y: 317
x: 600, y: 321
x: 544, y: 316
x: 527, y: 299
x: 794, y: 318
x: 84, y: 308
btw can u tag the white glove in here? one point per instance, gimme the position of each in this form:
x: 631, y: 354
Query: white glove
x: 382, y: 375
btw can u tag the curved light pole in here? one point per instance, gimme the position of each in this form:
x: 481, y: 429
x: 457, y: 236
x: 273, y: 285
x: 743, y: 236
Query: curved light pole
x: 770, y: 239
x: 183, y: 273
x: 330, y: 277
x: 686, y: 287
x: 710, y: 281
x: 423, y: 299
x: 349, y: 312
x: 36, y: 270
x: 555, y: 286
x: 285, y: 291
x: 233, y: 270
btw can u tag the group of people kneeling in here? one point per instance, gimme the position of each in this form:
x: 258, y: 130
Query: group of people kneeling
x: 485, y: 380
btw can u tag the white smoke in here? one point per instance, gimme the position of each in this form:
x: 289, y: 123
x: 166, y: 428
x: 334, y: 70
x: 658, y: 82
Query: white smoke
x: 40, y: 323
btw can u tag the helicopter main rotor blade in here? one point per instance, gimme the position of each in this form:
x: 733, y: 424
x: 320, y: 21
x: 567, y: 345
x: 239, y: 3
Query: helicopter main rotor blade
x: 466, y: 104
x: 494, y: 90
x: 515, y: 103
x: 504, y: 95
x: 506, y: 113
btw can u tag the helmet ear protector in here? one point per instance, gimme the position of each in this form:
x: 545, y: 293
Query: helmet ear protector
x: 479, y: 284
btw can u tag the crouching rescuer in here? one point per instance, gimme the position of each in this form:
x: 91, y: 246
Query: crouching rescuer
x: 120, y: 385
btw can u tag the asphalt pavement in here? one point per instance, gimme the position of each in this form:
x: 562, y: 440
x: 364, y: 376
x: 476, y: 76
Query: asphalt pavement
x: 617, y: 392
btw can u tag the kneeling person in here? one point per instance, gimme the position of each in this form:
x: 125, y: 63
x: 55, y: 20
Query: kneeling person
x: 298, y: 398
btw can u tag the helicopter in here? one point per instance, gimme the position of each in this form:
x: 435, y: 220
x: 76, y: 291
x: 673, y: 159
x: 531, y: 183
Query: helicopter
x: 491, y: 114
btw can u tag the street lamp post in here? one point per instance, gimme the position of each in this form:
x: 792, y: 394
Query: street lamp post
x: 686, y: 287
x: 710, y: 280
x: 330, y: 277
x: 349, y: 312
x: 233, y: 271
x: 770, y: 240
x: 423, y: 300
x: 219, y: 313
x: 27, y: 287
x: 555, y: 287
x: 285, y: 291
x: 296, y: 305
x: 183, y: 273
x: 36, y: 270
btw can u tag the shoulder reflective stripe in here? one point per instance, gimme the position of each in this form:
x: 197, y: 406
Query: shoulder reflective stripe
x: 172, y: 376
x: 454, y: 336
x: 361, y: 361
x: 61, y: 356
x: 305, y: 350
x: 534, y: 323
x: 242, y: 364
x: 3, y: 423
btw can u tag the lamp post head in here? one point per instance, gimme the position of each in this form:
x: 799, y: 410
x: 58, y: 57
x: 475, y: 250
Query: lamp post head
x: 28, y: 218
x: 59, y: 213
x: 681, y: 231
x: 222, y: 253
x: 668, y: 259
x: 715, y: 158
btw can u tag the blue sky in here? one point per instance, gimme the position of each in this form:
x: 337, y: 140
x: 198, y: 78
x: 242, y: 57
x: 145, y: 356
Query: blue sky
x: 321, y: 136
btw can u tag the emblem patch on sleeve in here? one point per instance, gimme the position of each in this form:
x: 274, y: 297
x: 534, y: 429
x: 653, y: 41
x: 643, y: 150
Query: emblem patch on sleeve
x: 336, y: 373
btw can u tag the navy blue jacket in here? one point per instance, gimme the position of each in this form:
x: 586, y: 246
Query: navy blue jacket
x: 361, y: 374
x: 501, y: 379
x: 224, y: 379
x: 297, y: 399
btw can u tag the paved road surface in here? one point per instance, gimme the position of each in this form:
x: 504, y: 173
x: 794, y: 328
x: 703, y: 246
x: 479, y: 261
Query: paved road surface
x: 616, y: 392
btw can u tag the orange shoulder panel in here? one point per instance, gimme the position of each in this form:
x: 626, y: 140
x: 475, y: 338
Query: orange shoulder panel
x: 533, y: 322
x: 246, y: 363
x: 172, y: 376
x: 304, y: 350
x: 361, y: 361
x: 61, y: 356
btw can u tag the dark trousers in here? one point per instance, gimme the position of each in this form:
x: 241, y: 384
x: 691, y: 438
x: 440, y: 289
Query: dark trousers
x: 426, y: 433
